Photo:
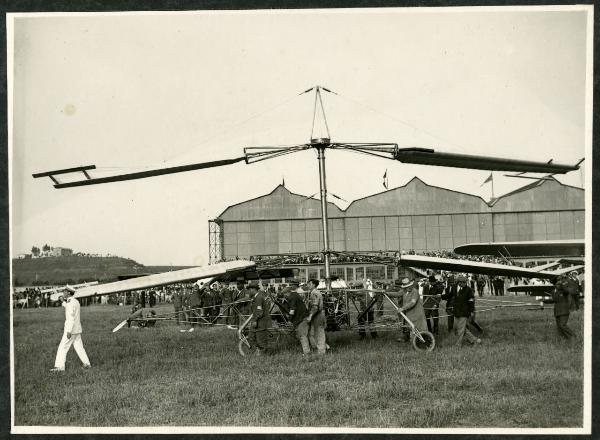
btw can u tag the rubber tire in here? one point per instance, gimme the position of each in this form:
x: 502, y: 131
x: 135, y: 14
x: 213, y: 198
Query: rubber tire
x: 420, y: 346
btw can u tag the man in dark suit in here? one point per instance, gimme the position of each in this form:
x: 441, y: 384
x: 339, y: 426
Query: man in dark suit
x: 195, y: 304
x: 464, y: 307
x: 152, y: 299
x: 448, y: 296
x: 178, y: 305
x: 562, y: 307
x: 498, y: 286
x: 298, y: 312
x: 432, y: 293
x: 480, y: 284
x: 261, y: 318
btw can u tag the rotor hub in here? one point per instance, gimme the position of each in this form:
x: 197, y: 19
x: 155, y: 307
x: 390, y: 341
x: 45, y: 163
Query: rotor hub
x: 320, y: 142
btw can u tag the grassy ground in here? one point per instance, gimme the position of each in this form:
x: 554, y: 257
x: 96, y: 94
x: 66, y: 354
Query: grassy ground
x: 521, y: 376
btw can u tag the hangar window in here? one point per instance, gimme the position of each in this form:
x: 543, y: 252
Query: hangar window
x: 301, y: 275
x: 376, y: 272
x: 338, y: 271
x: 360, y: 273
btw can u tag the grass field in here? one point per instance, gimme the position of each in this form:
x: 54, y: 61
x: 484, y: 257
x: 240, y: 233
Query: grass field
x: 522, y: 375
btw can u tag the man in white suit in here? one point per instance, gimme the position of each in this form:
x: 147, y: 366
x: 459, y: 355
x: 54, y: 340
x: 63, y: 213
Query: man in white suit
x: 71, y: 335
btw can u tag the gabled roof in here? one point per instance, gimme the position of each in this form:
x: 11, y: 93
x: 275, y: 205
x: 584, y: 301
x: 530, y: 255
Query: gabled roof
x: 527, y: 187
x: 283, y: 191
x: 536, y: 184
x: 416, y: 180
x: 417, y: 198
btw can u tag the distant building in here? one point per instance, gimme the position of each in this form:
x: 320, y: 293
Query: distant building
x: 60, y: 252
x: 415, y: 217
x: 23, y: 256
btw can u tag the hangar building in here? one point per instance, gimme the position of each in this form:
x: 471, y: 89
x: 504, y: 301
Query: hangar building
x: 416, y: 216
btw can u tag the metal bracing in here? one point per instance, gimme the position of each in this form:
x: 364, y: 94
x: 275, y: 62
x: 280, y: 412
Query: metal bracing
x: 215, y: 241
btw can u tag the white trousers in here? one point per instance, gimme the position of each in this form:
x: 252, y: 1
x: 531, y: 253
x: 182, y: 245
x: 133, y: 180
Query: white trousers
x: 64, y: 347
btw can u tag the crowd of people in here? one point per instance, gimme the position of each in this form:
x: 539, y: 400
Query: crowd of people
x: 30, y: 297
x: 51, y: 296
x: 359, y: 257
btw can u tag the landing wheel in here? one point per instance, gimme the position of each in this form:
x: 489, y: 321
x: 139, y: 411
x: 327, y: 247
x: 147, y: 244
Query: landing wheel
x: 244, y: 347
x: 426, y: 341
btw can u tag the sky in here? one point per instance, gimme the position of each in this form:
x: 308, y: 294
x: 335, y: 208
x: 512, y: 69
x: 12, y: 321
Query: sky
x: 132, y: 91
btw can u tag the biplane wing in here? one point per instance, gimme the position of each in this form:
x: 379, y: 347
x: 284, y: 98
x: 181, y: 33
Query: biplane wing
x: 578, y: 264
x: 468, y: 266
x: 545, y: 248
x: 547, y: 266
x: 164, y: 278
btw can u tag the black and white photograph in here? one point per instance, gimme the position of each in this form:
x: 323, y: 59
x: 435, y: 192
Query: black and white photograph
x: 354, y: 220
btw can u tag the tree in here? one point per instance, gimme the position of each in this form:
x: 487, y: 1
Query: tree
x: 46, y: 248
x: 35, y: 251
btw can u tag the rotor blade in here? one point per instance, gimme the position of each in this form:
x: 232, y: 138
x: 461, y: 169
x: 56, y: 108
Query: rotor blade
x: 423, y: 156
x: 541, y: 248
x: 150, y: 173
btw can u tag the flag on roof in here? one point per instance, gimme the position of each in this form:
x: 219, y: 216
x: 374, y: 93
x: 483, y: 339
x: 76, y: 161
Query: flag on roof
x: 489, y: 179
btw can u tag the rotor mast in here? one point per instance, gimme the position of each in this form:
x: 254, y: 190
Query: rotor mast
x: 320, y: 144
x: 324, y: 219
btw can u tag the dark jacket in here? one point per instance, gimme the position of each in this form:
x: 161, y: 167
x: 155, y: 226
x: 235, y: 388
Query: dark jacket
x: 195, y: 299
x: 449, y: 295
x: 562, y: 300
x: 561, y: 304
x: 430, y: 290
x: 297, y: 308
x: 261, y: 307
x: 573, y: 289
x: 226, y: 295
x: 464, y: 302
x: 208, y: 299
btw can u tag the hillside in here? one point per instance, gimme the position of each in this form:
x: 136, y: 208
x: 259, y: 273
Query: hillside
x: 76, y: 269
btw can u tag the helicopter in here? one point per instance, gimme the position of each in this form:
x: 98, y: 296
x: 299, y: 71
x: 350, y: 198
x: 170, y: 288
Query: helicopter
x: 244, y: 269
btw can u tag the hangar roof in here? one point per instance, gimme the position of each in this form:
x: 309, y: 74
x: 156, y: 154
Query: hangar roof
x: 417, y: 198
x: 414, y: 198
x: 541, y: 195
x: 280, y: 204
